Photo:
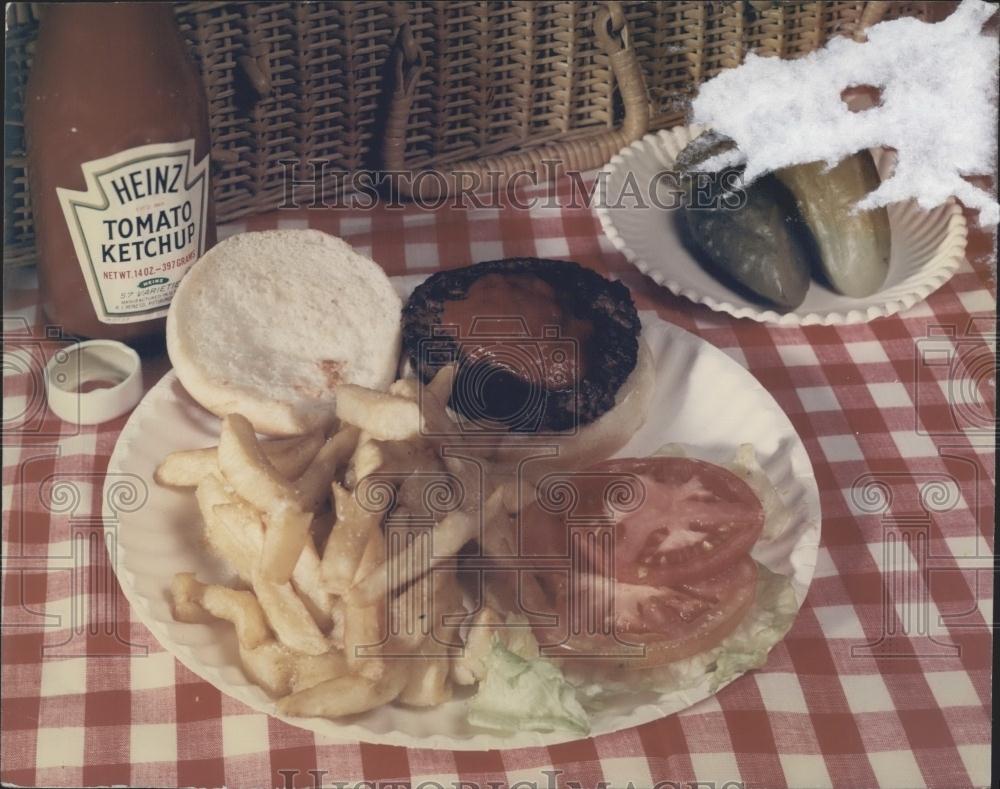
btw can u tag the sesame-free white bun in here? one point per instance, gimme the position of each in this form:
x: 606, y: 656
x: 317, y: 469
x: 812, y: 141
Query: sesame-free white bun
x: 268, y: 324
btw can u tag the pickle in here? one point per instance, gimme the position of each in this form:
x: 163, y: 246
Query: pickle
x: 762, y: 245
x: 852, y: 246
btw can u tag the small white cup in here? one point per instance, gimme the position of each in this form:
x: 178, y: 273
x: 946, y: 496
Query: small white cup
x: 106, y: 362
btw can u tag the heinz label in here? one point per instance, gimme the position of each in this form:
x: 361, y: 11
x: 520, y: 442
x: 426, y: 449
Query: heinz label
x: 138, y: 227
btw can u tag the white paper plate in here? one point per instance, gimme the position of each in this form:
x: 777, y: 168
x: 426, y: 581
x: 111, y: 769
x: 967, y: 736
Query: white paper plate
x: 927, y: 246
x: 701, y: 398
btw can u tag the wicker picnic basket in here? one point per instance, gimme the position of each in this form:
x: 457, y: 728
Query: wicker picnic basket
x: 470, y: 85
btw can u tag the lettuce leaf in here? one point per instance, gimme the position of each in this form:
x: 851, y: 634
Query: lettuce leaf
x: 771, y: 616
x: 777, y: 515
x: 521, y: 694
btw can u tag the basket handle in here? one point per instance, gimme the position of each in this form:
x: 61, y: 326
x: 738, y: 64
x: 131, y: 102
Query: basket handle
x: 871, y: 14
x: 585, y: 153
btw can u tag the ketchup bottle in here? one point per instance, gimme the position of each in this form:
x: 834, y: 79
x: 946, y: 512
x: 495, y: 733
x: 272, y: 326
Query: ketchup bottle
x: 118, y: 142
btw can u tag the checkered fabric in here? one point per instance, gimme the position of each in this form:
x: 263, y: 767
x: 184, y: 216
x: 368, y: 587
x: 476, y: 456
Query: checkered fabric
x: 884, y: 679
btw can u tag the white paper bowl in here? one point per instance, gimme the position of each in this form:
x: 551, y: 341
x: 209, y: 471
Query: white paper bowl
x: 701, y: 397
x: 927, y: 246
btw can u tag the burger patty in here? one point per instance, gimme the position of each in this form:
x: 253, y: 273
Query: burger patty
x: 487, y: 391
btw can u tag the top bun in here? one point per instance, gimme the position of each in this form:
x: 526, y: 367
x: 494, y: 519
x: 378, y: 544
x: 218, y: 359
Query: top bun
x: 268, y: 325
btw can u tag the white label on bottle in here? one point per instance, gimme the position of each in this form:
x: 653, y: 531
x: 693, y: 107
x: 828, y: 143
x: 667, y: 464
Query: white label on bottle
x: 138, y: 227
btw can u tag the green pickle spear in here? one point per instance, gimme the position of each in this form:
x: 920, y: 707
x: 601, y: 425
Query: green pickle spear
x: 853, y: 246
x: 762, y: 245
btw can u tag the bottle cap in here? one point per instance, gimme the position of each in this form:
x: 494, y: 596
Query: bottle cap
x: 93, y: 381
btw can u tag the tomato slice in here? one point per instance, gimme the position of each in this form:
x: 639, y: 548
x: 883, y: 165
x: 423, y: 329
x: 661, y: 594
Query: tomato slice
x: 656, y: 555
x: 675, y: 520
x: 639, y: 626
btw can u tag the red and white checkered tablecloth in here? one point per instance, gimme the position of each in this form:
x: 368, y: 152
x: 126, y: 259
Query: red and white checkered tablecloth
x: 884, y: 679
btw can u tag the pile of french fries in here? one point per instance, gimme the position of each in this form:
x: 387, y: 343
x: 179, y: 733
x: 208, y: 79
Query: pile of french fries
x: 331, y: 618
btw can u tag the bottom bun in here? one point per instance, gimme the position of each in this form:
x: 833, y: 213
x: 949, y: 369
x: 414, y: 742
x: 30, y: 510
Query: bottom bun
x: 583, y: 446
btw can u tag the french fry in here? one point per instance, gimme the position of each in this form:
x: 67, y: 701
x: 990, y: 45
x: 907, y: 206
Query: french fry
x: 385, y: 416
x: 364, y: 624
x: 338, y: 612
x: 293, y: 457
x: 196, y: 602
x: 448, y: 612
x: 270, y: 665
x: 313, y: 487
x: 347, y: 541
x: 363, y: 633
x: 289, y: 618
x: 410, y: 496
x: 499, y: 541
x: 423, y: 609
x: 242, y: 609
x: 448, y: 537
x: 225, y: 539
x: 372, y: 556
x: 367, y: 459
x: 307, y: 582
x: 345, y: 695
x: 518, y: 493
x: 429, y: 681
x: 321, y: 526
x: 289, y: 456
x: 470, y: 666
x: 405, y: 387
x: 498, y: 536
x: 284, y: 538
x: 280, y: 446
x: 410, y: 615
x: 244, y: 523
x: 310, y: 670
x: 247, y: 469
x: 243, y: 520
x: 434, y: 403
x: 186, y: 469
x: 185, y: 596
x: 401, y: 459
x: 397, y: 459
x: 414, y: 489
x: 513, y: 630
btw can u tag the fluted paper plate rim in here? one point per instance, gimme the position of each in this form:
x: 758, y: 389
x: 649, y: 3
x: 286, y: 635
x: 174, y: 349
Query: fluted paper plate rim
x: 931, y: 274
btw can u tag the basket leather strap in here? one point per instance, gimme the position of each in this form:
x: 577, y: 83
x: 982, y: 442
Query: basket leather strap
x: 584, y: 153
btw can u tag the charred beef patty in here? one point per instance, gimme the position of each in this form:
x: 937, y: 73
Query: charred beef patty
x: 541, y: 345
